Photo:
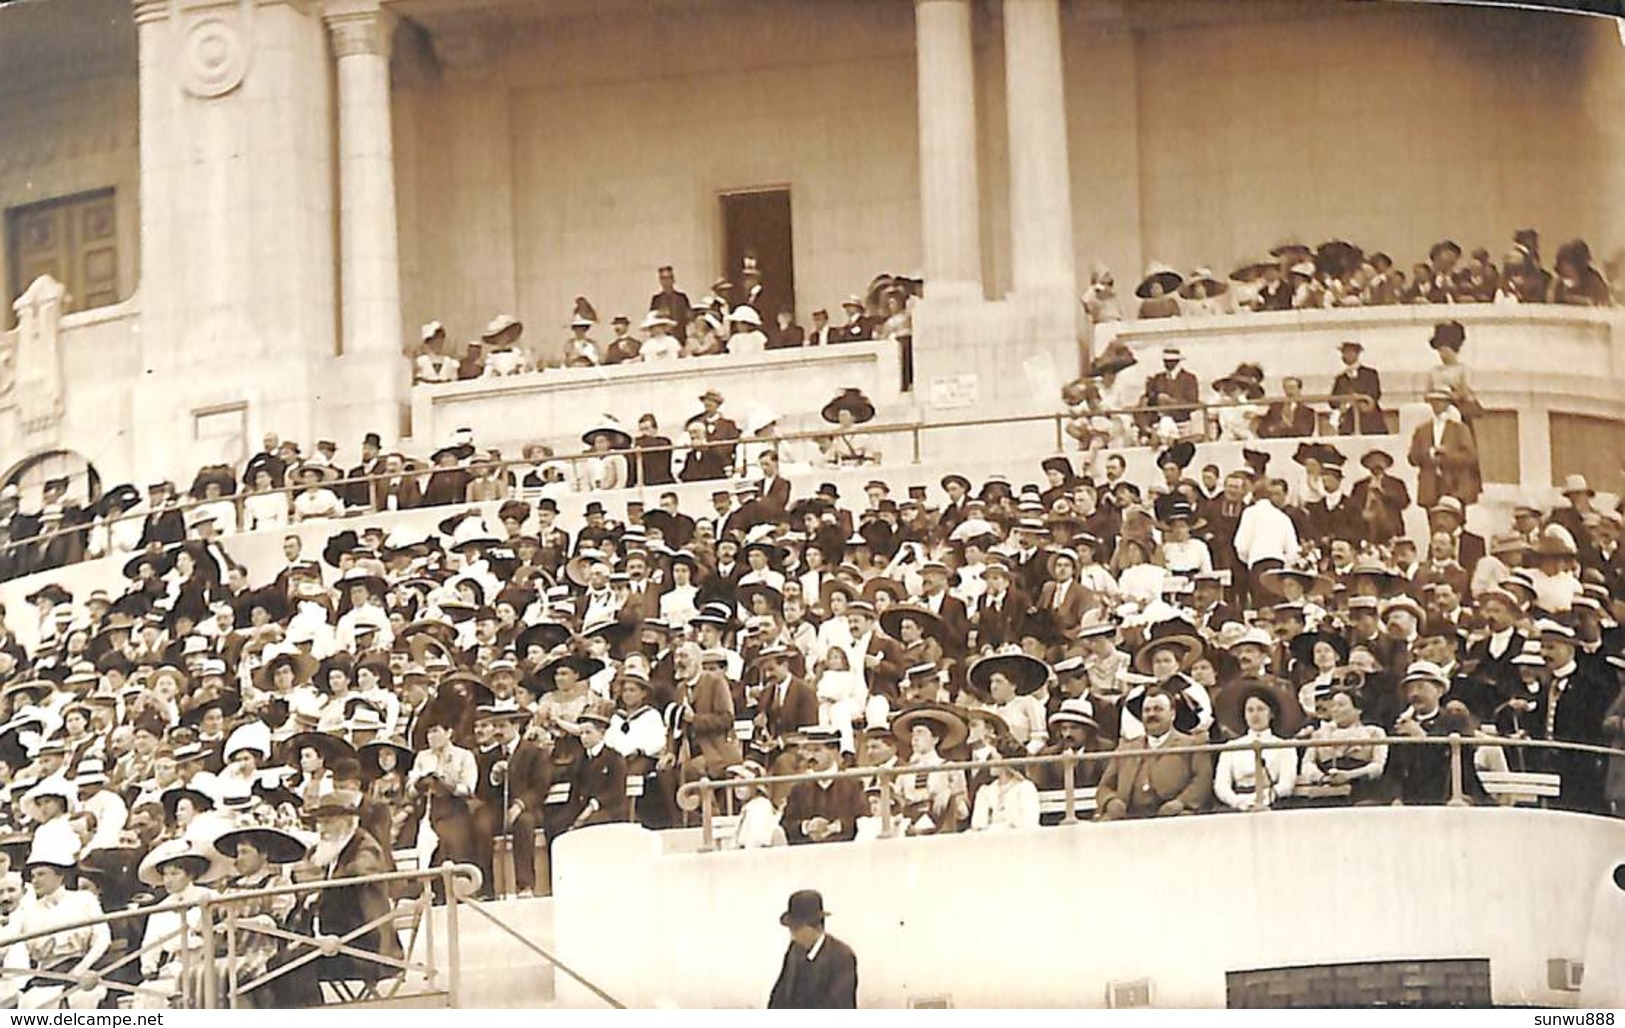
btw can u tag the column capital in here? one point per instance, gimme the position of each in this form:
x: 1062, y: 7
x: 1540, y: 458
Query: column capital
x: 358, y: 27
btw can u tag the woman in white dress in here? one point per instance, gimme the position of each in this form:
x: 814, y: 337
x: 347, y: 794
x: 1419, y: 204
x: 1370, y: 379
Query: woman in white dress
x: 678, y: 603
x: 759, y: 825
x: 263, y: 508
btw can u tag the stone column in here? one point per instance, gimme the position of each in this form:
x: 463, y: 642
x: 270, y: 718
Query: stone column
x: 369, y: 260
x: 1040, y: 175
x: 950, y: 218
x: 236, y: 299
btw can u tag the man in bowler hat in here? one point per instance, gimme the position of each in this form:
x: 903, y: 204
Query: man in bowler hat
x: 820, y: 972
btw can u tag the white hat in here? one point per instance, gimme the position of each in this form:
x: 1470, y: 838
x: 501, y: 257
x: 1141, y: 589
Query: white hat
x: 1425, y: 671
x: 656, y: 319
x: 581, y: 321
x: 255, y: 736
x: 431, y: 329
x: 91, y: 771
x: 745, y: 314
x: 500, y: 323
x: 54, y: 848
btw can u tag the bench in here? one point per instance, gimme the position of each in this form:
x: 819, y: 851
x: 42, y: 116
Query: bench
x: 1521, y: 788
x: 1052, y: 803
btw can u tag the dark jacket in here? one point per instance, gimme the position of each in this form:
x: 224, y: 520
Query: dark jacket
x: 829, y: 981
x: 838, y: 800
x: 341, y: 911
x: 602, y: 778
x: 1365, y: 381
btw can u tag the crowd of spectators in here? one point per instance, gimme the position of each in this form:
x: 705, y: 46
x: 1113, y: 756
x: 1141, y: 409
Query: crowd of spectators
x: 1338, y: 273
x: 281, y: 485
x: 743, y: 319
x: 186, y: 729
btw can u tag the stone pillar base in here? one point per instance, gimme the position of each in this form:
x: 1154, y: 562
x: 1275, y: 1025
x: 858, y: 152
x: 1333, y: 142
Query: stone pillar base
x: 986, y: 359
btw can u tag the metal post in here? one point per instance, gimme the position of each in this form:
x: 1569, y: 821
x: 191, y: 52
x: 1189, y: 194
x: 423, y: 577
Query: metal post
x: 1457, y: 797
x: 1261, y: 778
x: 233, y: 997
x: 430, y: 957
x: 888, y: 824
x: 211, y: 997
x: 708, y: 837
x: 914, y: 432
x: 453, y: 947
x: 1060, y: 434
x: 1069, y: 786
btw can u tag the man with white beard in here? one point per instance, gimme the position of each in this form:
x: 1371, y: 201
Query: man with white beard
x: 345, y: 850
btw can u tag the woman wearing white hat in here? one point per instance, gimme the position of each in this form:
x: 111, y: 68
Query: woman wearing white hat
x: 73, y: 952
x: 179, y: 866
x: 745, y: 337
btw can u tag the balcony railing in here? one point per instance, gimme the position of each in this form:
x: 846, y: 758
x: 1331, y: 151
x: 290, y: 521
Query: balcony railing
x: 1200, y: 429
x: 703, y: 794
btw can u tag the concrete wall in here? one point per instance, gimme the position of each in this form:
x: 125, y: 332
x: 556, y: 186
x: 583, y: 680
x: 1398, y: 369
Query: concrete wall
x: 1199, y: 134
x: 1179, y: 902
x: 68, y: 115
x: 557, y: 405
x: 535, y: 180
x: 1394, y: 125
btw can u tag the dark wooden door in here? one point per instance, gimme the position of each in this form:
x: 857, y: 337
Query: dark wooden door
x: 756, y: 224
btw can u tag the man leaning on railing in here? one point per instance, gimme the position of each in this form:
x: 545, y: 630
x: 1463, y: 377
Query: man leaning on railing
x: 73, y: 952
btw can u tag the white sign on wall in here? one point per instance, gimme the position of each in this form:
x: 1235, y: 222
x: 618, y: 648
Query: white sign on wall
x: 953, y: 391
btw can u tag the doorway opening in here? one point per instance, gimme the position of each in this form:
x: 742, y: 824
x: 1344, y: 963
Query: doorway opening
x: 756, y: 229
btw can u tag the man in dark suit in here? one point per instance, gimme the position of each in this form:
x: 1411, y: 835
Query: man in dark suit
x: 775, y: 488
x: 359, y: 494
x: 1444, y: 455
x: 1001, y: 613
x: 822, y: 334
x: 399, y: 491
x: 820, y: 972
x: 1290, y: 418
x: 598, y: 794
x: 1571, y: 709
x: 355, y: 854
x: 527, y: 772
x: 1423, y: 773
x: 1378, y: 503
x: 787, y: 703
x: 652, y: 465
x: 671, y: 301
x: 857, y: 328
x: 1357, y: 380
x: 1171, y: 386
x: 1145, y: 784
x: 824, y: 810
x: 164, y: 523
x: 720, y: 430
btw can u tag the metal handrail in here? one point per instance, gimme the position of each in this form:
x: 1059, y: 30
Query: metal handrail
x: 701, y: 794
x: 1059, y: 419
x: 448, y: 875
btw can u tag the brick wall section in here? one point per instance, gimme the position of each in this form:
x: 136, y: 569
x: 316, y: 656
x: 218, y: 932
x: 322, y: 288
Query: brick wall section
x: 1407, y: 983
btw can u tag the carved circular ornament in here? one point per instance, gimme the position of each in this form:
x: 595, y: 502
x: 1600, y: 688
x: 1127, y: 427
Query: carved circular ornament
x: 213, y: 58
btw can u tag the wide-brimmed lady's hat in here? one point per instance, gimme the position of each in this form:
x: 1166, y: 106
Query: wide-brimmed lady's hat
x: 323, y: 472
x: 549, y: 635
x: 849, y: 399
x: 279, y: 847
x: 619, y: 438
x: 1175, y: 635
x: 892, y: 618
x: 946, y: 723
x: 1027, y: 674
x: 331, y: 747
x: 220, y: 475
x: 1251, y: 269
x: 1158, y: 274
x: 1448, y: 335
x: 1248, y: 378
x: 584, y: 667
x: 1229, y: 707
x: 202, y: 860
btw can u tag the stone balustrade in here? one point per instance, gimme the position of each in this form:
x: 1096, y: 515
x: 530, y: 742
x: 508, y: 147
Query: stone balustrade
x: 557, y: 405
